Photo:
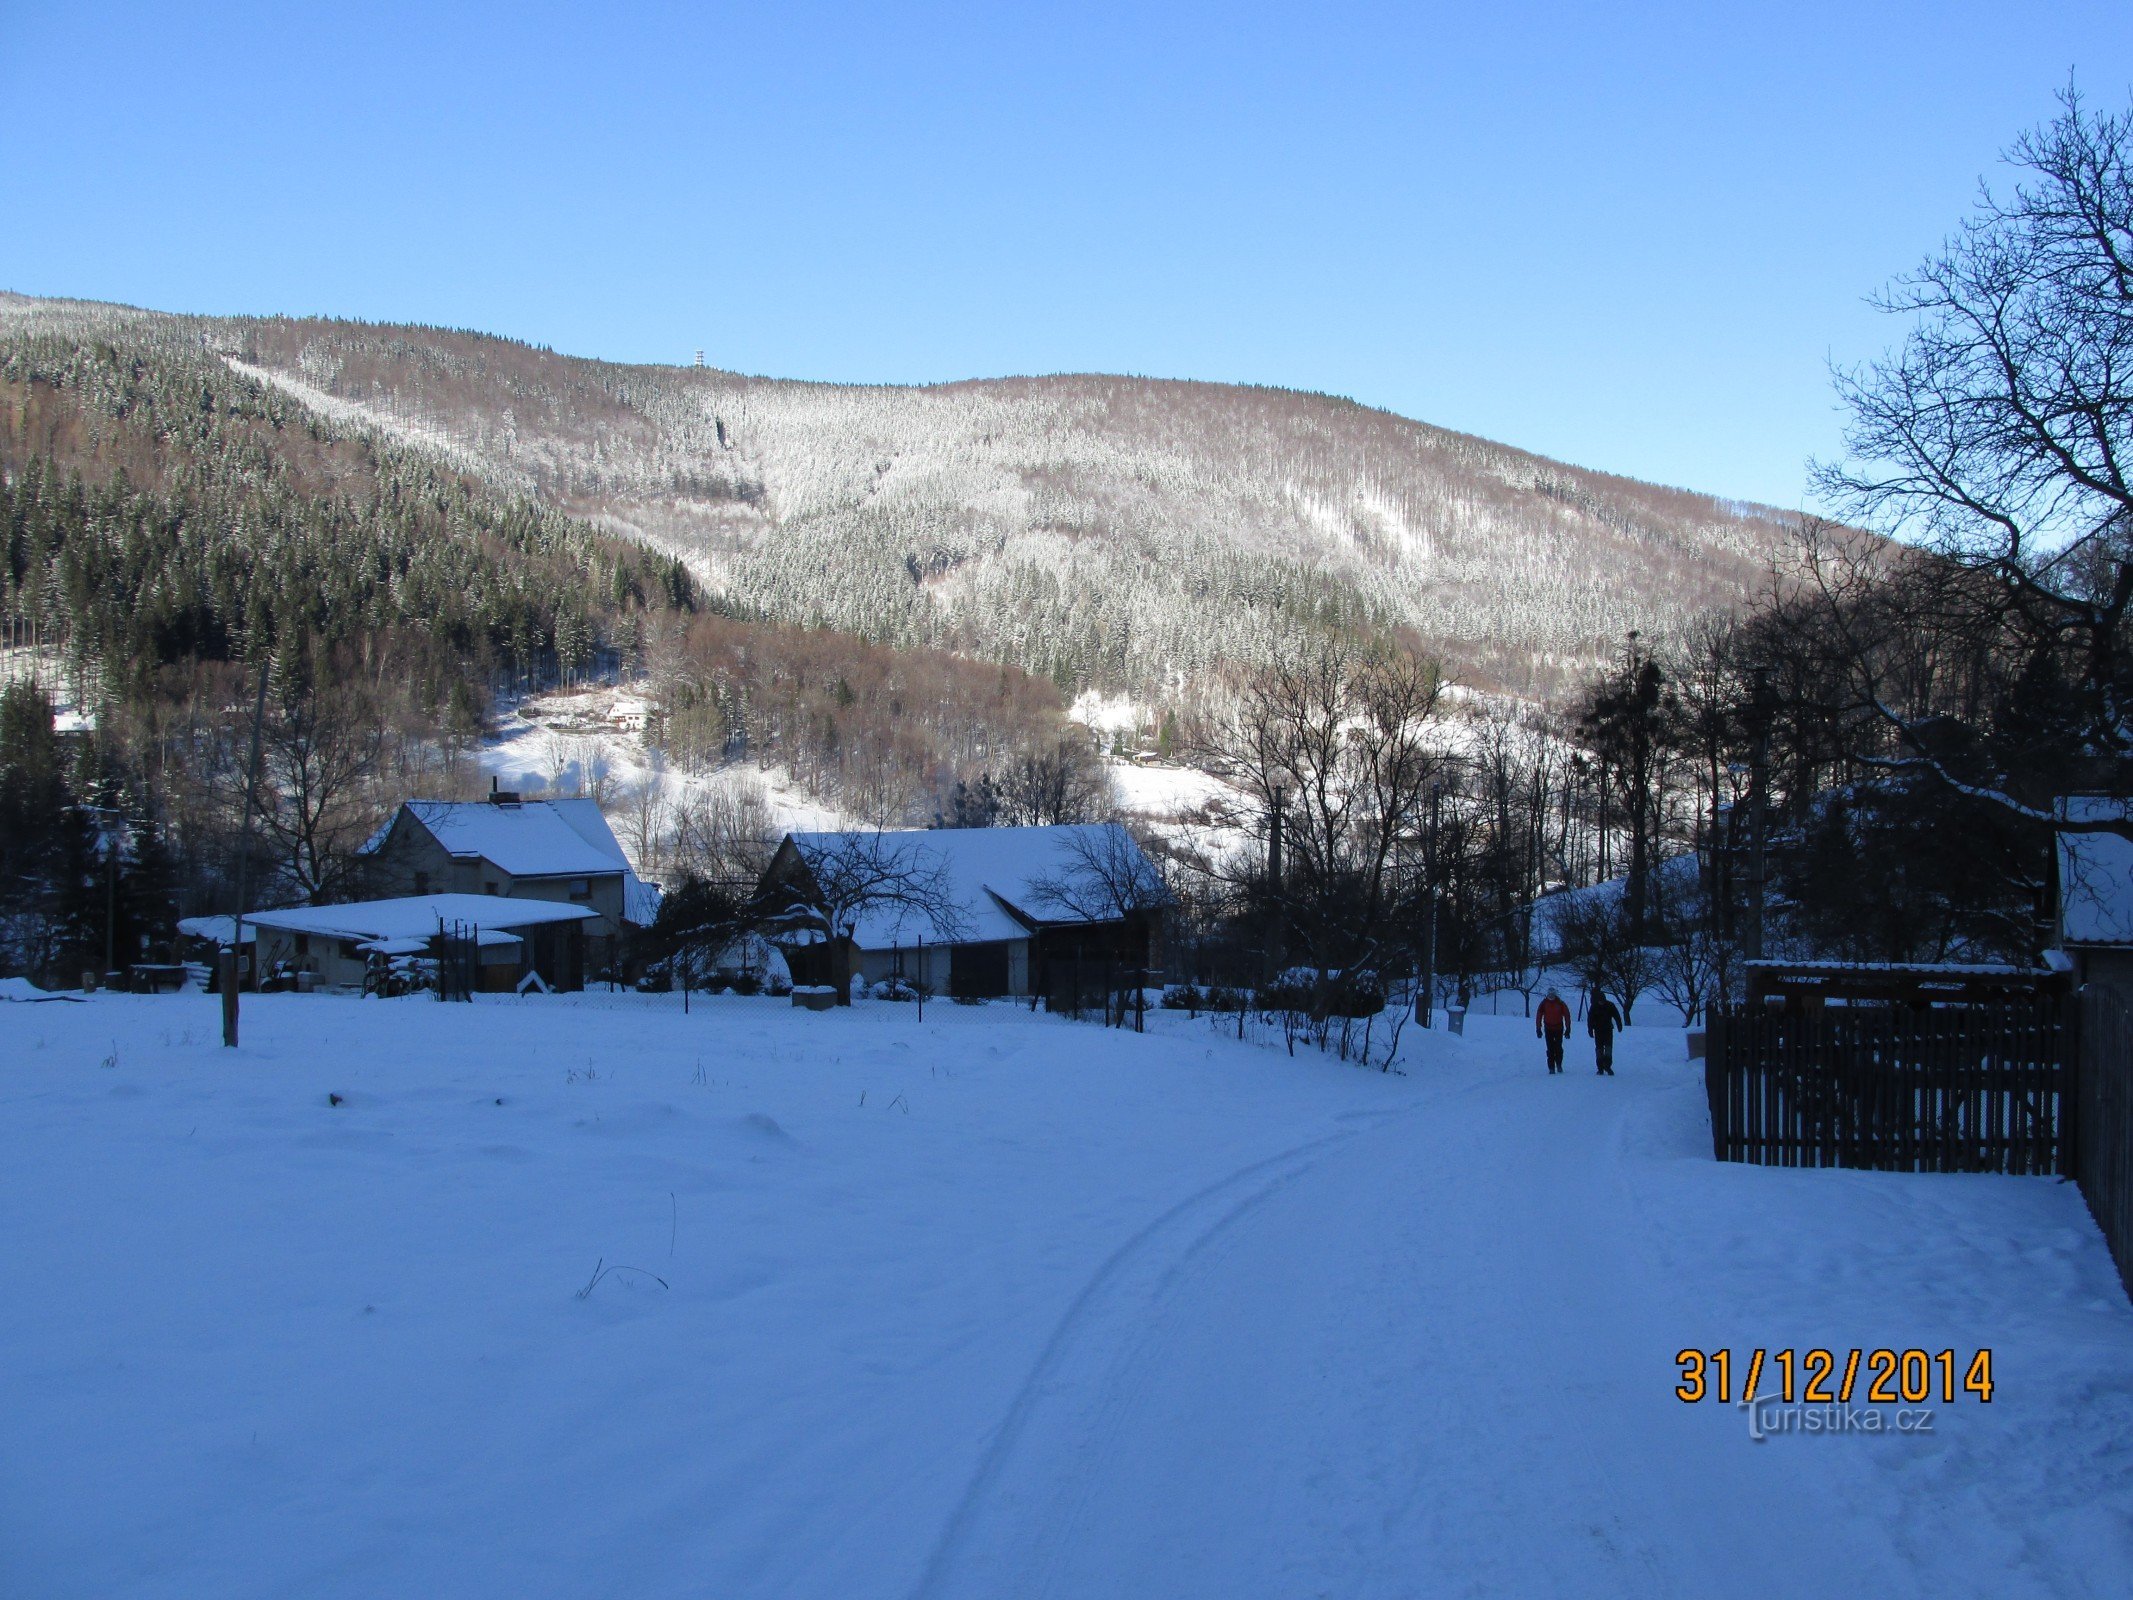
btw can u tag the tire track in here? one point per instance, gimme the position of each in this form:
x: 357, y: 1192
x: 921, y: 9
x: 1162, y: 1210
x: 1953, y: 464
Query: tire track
x: 1259, y: 1180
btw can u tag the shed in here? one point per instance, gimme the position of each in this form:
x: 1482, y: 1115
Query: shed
x: 2096, y: 892
x: 974, y: 912
x: 335, y: 944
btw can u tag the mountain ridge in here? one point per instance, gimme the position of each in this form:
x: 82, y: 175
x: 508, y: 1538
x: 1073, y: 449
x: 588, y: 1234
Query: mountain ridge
x: 1108, y: 530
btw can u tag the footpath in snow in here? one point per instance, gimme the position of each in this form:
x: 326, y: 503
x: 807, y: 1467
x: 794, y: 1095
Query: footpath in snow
x: 581, y: 1296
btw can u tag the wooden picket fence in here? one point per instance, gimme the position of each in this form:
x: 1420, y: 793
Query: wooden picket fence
x: 1949, y: 1089
x: 2103, y: 1121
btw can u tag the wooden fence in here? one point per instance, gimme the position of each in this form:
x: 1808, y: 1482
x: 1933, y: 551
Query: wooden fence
x: 1954, y: 1089
x: 2103, y: 1121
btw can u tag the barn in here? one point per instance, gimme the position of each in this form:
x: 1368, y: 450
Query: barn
x: 971, y: 912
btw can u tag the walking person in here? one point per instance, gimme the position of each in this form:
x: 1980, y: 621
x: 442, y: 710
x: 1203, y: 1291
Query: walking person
x: 1551, y: 1022
x: 1601, y: 1022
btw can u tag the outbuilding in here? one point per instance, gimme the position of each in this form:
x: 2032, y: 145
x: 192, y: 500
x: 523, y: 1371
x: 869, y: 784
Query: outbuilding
x: 2096, y: 892
x: 970, y: 912
x: 512, y: 939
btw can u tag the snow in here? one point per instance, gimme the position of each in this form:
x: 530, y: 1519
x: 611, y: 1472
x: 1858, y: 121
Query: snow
x: 416, y: 917
x: 1108, y: 714
x: 994, y: 877
x: 1164, y: 791
x: 582, y: 1295
x: 2095, y: 876
x: 218, y: 929
x: 532, y: 839
x: 592, y: 741
x: 46, y: 668
x: 21, y: 989
x: 417, y: 431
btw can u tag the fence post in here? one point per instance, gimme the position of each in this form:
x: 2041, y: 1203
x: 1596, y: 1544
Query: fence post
x: 2073, y: 1027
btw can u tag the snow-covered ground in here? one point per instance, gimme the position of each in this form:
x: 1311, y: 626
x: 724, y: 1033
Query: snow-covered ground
x: 591, y: 741
x: 988, y: 1305
x: 47, y: 669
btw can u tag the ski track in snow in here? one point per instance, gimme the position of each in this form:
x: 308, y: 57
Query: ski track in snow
x: 1109, y: 1297
x: 1464, y: 1446
x: 990, y: 1305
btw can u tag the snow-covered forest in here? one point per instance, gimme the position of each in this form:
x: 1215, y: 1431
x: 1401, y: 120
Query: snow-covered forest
x: 1109, y: 531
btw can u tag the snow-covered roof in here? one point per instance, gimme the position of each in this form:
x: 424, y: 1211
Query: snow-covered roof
x: 419, y: 916
x: 528, y: 839
x: 640, y: 901
x: 2095, y: 875
x: 400, y: 947
x: 1949, y: 969
x: 217, y: 929
x: 993, y: 877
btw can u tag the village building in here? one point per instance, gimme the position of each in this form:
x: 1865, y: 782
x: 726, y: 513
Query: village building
x: 337, y: 947
x: 2096, y: 894
x: 971, y: 912
x: 559, y: 851
x: 202, y: 942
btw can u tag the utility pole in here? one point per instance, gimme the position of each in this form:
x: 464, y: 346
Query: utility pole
x: 232, y: 963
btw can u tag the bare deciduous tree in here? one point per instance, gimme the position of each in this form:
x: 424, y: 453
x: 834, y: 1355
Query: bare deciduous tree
x: 1064, y: 781
x: 320, y: 748
x: 721, y: 833
x: 1106, y: 877
x: 1334, y: 736
x: 853, y: 875
x: 1999, y: 435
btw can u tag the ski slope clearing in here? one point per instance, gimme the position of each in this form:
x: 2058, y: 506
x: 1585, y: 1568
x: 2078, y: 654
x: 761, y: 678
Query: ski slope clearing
x: 582, y: 1296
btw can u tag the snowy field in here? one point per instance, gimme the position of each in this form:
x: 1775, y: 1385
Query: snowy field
x: 989, y: 1305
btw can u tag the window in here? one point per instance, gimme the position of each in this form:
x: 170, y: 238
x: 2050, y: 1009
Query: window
x: 303, y: 944
x: 489, y: 887
x: 422, y: 883
x: 581, y: 888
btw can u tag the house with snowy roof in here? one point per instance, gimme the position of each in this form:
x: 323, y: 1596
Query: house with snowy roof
x: 2096, y: 890
x: 972, y: 912
x: 559, y: 851
x: 510, y: 940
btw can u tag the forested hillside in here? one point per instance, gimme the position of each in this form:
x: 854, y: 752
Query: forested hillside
x: 170, y: 524
x: 160, y: 508
x: 1117, y: 532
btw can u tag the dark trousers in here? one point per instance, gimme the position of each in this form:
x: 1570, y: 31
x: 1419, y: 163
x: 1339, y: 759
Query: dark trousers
x: 1603, y: 1053
x: 1555, y: 1052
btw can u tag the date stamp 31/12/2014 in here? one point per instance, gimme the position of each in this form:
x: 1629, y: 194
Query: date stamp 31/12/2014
x: 1834, y: 1377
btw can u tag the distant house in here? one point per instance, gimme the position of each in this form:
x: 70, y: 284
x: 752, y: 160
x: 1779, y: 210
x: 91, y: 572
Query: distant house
x: 975, y: 912
x: 550, y: 850
x: 337, y: 945
x: 2096, y: 893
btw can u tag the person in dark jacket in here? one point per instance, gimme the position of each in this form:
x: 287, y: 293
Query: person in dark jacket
x: 1601, y: 1022
x: 1551, y: 1022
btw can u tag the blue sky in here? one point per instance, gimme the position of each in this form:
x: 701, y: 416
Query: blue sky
x: 1630, y: 237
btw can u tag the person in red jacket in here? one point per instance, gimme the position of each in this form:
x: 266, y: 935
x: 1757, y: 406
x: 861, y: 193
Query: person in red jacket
x: 1551, y: 1022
